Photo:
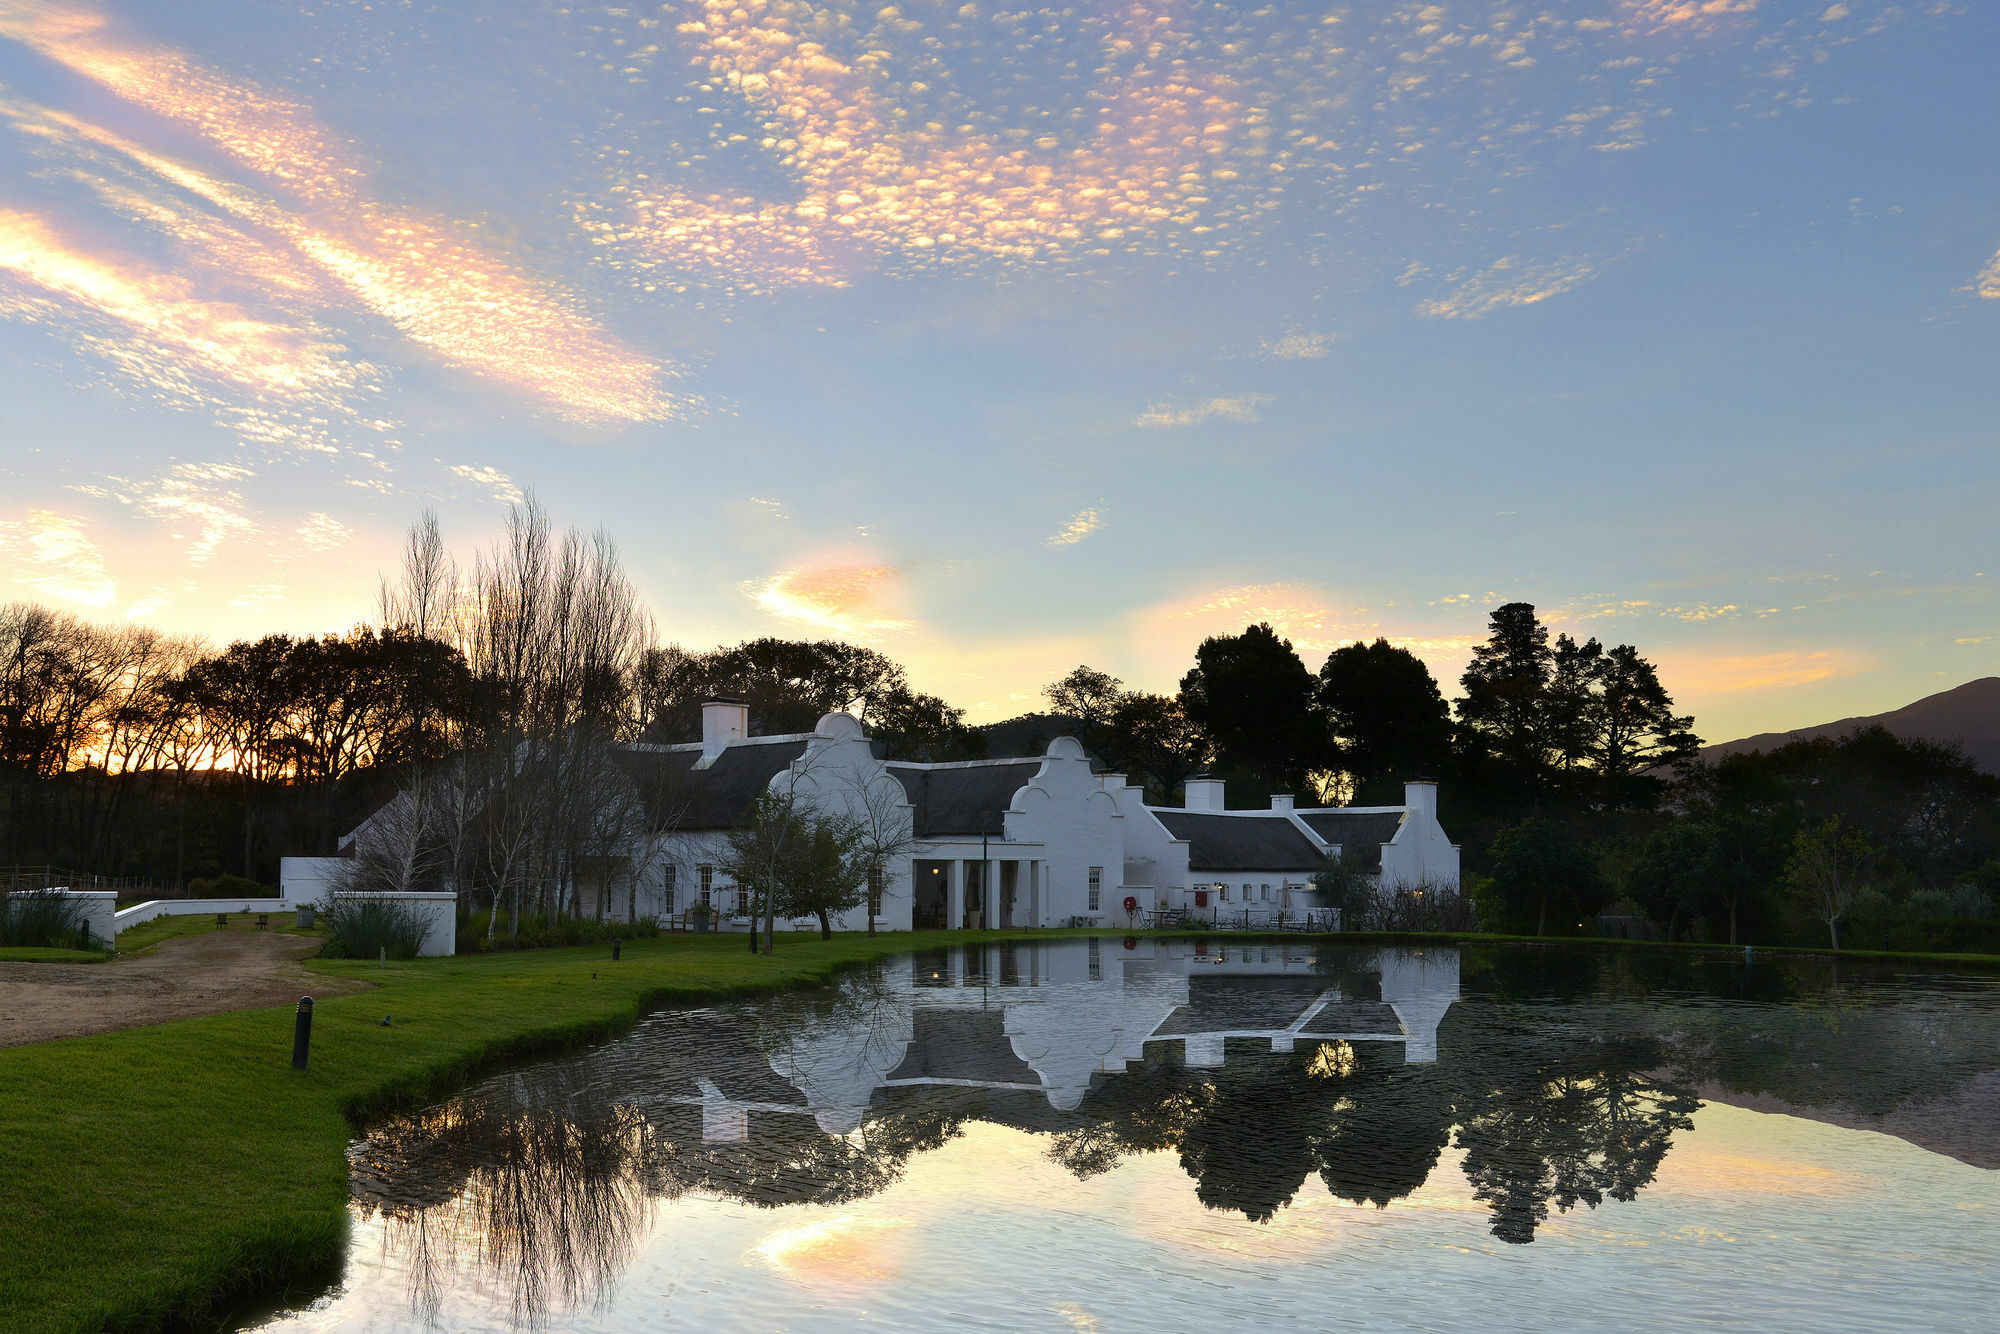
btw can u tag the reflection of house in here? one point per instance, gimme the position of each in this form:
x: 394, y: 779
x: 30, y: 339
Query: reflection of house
x: 1052, y: 1019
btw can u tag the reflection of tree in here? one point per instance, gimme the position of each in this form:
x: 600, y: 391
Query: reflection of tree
x: 554, y: 1200
x: 1562, y: 1116
x: 1383, y: 1134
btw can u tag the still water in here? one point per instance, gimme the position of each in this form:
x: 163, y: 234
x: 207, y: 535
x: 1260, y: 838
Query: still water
x: 1150, y: 1135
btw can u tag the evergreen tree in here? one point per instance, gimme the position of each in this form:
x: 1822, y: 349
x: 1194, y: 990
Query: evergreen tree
x: 1506, y: 691
x: 1385, y: 716
x: 1254, y: 699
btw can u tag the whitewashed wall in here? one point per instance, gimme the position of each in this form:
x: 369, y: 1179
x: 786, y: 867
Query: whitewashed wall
x: 99, y: 908
x: 152, y: 908
x: 1420, y: 853
x: 1066, y: 810
x: 440, y: 913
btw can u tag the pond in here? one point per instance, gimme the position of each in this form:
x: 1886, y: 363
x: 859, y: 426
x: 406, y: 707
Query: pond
x: 1128, y: 1135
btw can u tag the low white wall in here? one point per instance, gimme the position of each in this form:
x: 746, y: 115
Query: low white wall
x: 306, y: 879
x: 440, y: 911
x: 146, y: 912
x: 100, y: 908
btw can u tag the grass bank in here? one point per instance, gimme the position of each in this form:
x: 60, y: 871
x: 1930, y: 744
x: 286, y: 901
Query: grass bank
x: 156, y: 1175
x: 49, y: 954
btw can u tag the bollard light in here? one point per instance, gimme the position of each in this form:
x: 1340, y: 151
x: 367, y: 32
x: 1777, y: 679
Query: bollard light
x: 302, y: 1032
x: 614, y: 949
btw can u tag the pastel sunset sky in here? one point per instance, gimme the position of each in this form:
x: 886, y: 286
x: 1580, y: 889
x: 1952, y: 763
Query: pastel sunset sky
x: 1005, y: 338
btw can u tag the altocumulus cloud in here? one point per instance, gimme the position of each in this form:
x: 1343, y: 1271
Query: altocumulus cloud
x: 1236, y: 408
x: 1081, y: 525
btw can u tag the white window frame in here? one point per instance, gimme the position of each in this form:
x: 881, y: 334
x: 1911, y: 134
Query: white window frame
x: 1096, y: 888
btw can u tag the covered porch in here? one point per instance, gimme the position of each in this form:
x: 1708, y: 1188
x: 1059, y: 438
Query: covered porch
x: 979, y: 887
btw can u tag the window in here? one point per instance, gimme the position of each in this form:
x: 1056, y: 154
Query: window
x: 875, y: 893
x: 1096, y: 962
x: 1096, y: 888
x: 707, y: 875
x: 1224, y: 891
x: 668, y: 877
x: 1264, y: 893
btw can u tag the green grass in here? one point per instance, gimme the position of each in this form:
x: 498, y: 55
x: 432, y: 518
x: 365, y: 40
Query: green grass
x: 156, y: 1175
x: 49, y: 954
x: 148, y: 934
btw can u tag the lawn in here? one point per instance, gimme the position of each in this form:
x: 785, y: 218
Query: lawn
x: 49, y: 954
x: 148, y: 934
x: 157, y: 1174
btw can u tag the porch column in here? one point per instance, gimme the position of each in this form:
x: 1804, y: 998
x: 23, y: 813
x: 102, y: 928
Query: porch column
x: 954, y: 896
x: 989, y: 894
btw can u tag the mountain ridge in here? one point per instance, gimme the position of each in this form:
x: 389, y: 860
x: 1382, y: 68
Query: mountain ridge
x: 1968, y: 715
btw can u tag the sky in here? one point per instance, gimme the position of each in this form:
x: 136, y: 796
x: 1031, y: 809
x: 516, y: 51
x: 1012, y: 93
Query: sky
x: 1003, y: 339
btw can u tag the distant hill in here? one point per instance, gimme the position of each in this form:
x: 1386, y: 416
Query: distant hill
x: 1969, y: 715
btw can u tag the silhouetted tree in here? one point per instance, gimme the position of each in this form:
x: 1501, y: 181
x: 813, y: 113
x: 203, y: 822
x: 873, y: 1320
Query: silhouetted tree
x: 1539, y: 869
x: 1254, y: 699
x: 1386, y: 718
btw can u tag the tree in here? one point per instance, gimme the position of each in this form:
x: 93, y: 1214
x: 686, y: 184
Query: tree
x: 1828, y: 865
x: 1636, y: 727
x: 1385, y: 715
x: 1089, y: 695
x: 1537, y: 867
x: 1506, y: 686
x: 1254, y: 699
x: 1151, y: 738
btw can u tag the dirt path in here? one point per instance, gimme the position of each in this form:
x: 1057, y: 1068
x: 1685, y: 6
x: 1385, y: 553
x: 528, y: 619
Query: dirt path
x: 210, y: 973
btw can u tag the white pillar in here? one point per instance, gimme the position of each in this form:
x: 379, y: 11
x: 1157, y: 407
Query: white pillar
x: 989, y: 894
x: 954, y: 896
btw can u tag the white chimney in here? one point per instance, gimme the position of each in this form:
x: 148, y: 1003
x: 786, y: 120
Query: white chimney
x: 1421, y: 794
x: 722, y: 721
x: 1281, y: 801
x: 1203, y: 793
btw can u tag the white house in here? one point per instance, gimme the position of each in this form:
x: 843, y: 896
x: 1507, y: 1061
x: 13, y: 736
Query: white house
x: 1003, y: 843
x: 1208, y: 860
x: 1014, y: 842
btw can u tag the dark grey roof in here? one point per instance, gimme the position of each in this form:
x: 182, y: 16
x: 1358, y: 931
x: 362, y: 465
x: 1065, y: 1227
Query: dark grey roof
x: 1360, y: 834
x: 680, y: 796
x: 962, y: 1044
x: 963, y: 799
x: 1241, y: 842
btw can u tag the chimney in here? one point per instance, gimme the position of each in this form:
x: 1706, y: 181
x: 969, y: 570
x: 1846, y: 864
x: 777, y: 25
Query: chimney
x: 1203, y: 793
x: 1282, y: 801
x: 722, y: 721
x: 1421, y: 794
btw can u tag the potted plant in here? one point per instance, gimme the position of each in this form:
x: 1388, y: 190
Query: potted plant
x: 701, y: 919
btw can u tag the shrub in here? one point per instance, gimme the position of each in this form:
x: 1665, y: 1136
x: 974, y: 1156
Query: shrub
x: 40, y: 917
x: 361, y: 928
x: 227, y: 887
x: 533, y: 932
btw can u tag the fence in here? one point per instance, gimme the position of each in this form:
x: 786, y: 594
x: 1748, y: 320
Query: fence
x: 62, y: 877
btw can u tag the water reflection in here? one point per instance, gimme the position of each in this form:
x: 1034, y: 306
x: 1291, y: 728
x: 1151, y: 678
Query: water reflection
x: 1560, y: 1078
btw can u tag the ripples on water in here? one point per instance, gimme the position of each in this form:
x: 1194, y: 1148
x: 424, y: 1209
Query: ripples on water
x: 1172, y: 1135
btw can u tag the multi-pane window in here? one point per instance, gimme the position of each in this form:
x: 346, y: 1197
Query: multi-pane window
x: 1096, y: 888
x: 669, y: 877
x: 875, y: 893
x: 1264, y: 893
x: 707, y: 876
x: 1224, y: 891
